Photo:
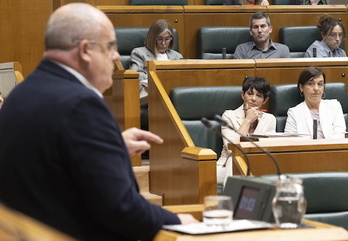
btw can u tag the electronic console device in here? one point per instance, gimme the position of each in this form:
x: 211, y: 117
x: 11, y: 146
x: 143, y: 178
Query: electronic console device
x: 251, y: 197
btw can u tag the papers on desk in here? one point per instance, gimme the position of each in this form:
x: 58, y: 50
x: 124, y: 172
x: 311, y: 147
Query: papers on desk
x: 235, y: 225
x: 275, y: 134
x: 261, y: 137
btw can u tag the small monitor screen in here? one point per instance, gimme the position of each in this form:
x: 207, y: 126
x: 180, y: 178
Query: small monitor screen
x: 246, y: 203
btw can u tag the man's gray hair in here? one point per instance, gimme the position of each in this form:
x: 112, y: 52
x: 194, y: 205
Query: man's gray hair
x: 76, y: 22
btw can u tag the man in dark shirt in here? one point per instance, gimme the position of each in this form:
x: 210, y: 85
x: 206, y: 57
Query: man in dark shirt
x: 262, y: 46
x: 64, y: 160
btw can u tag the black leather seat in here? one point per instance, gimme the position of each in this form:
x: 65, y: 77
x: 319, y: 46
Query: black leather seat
x: 193, y: 103
x: 158, y: 2
x: 327, y: 196
x: 286, y: 96
x: 127, y: 40
x: 211, y: 40
x: 298, y: 38
x: 214, y: 2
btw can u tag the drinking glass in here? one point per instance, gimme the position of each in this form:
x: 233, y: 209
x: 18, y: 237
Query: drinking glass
x: 218, y: 210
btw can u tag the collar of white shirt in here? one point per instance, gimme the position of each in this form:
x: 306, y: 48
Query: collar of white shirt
x: 81, y: 78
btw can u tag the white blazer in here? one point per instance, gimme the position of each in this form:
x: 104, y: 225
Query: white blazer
x: 331, y: 119
x: 267, y: 124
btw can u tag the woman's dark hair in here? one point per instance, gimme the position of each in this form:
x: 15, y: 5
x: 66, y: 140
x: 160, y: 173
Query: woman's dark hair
x: 259, y: 84
x: 156, y: 29
x: 308, y: 74
x: 326, y: 24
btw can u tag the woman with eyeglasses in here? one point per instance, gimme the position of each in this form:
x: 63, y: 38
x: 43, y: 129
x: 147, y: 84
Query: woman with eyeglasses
x: 332, y: 31
x: 158, y: 46
x: 315, y: 117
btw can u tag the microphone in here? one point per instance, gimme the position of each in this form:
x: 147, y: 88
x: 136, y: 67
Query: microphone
x: 224, y: 123
x: 315, y: 129
x: 210, y: 126
x: 223, y: 53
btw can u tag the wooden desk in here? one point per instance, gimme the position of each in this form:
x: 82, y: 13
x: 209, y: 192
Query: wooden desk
x: 295, y: 155
x: 320, y: 232
x: 15, y: 226
x: 179, y: 171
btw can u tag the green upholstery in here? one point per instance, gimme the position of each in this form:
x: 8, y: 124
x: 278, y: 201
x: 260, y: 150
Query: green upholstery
x: 211, y: 40
x: 327, y: 196
x: 158, y: 2
x: 298, y: 38
x: 193, y: 103
x: 281, y: 99
x: 214, y: 2
x: 129, y: 38
x: 286, y: 96
x: 280, y: 2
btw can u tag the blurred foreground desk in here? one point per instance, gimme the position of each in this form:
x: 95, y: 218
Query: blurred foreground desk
x: 320, y: 232
x: 294, y: 155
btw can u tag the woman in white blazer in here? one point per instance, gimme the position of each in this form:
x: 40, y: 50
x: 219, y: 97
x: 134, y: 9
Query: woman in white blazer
x: 159, y: 42
x: 247, y: 119
x: 315, y: 117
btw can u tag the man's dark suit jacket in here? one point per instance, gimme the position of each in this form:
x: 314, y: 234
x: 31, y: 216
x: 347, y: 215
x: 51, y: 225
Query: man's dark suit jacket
x: 63, y: 161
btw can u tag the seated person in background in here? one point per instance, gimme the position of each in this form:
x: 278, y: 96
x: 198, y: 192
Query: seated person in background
x: 332, y: 32
x: 327, y: 114
x: 314, y: 2
x: 1, y: 100
x: 64, y: 160
x: 158, y: 46
x: 262, y: 47
x: 246, y: 2
x: 247, y: 119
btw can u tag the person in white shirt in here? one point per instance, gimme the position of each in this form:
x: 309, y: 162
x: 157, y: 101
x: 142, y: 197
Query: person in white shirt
x: 247, y: 119
x: 326, y: 115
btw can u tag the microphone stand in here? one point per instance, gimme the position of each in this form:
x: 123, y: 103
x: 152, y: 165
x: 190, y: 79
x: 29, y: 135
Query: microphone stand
x: 210, y: 126
x: 224, y: 123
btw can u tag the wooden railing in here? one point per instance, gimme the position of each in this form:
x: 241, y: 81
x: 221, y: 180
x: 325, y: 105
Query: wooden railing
x: 179, y: 171
x: 188, y: 19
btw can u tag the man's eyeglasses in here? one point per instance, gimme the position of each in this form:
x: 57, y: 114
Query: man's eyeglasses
x: 111, y: 45
x: 335, y: 35
x: 161, y: 39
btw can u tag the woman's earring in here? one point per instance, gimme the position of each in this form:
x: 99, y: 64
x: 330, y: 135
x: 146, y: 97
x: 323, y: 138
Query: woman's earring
x: 301, y: 93
x: 323, y: 95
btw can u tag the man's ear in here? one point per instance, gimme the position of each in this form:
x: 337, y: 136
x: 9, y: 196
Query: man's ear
x: 270, y: 29
x: 250, y: 32
x: 84, y: 50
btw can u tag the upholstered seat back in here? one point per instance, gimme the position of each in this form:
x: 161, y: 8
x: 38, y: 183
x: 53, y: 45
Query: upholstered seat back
x: 214, y: 2
x: 211, y: 41
x: 129, y: 38
x: 327, y: 196
x: 158, y: 2
x: 298, y: 38
x: 193, y: 103
x: 281, y: 99
x: 286, y: 96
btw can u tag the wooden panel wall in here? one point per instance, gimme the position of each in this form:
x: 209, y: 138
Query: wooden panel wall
x: 21, y: 37
x: 23, y: 42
